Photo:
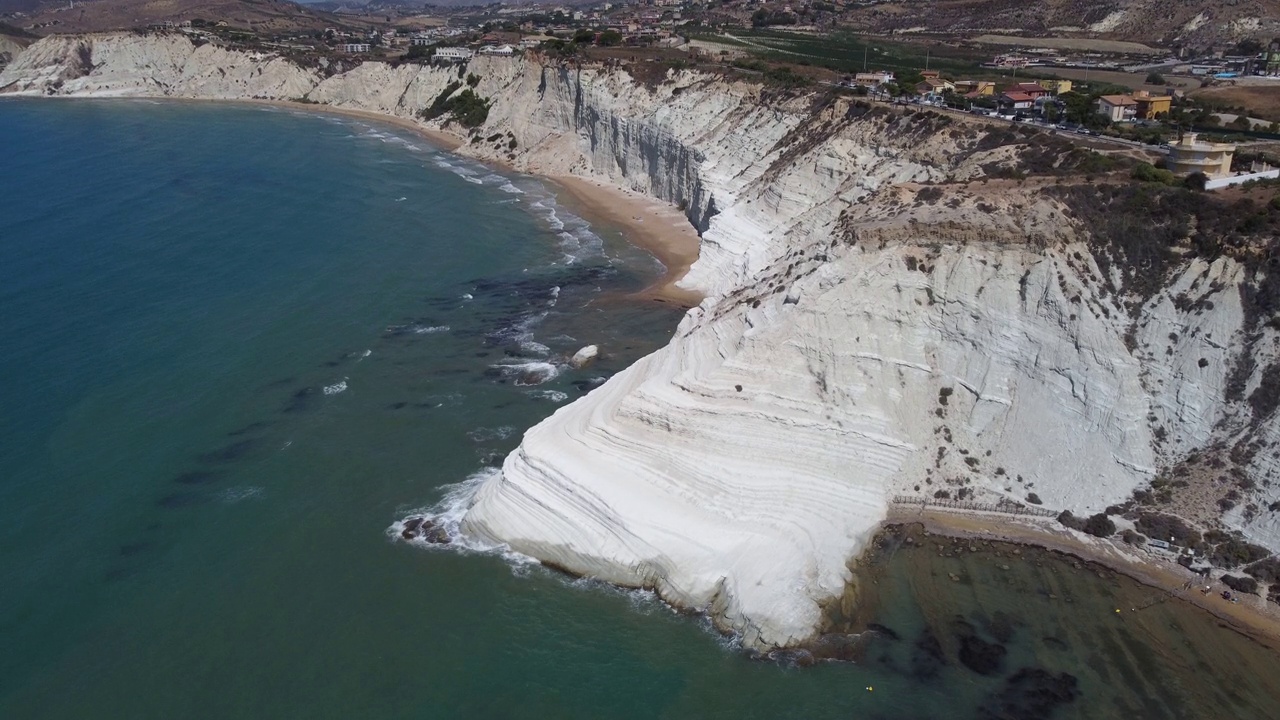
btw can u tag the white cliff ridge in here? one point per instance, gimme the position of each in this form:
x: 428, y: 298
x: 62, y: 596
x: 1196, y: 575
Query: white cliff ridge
x: 865, y: 333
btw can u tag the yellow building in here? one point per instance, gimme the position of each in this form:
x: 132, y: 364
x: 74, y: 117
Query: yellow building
x: 1057, y: 87
x: 1149, y: 106
x: 976, y: 87
x: 1190, y: 155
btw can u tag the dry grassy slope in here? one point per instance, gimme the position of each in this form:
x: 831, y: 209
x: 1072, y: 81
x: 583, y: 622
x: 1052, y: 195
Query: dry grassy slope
x: 1158, y: 21
x: 269, y: 16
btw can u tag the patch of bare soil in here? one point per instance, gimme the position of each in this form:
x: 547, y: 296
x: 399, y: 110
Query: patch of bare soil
x: 265, y: 16
x: 1262, y: 101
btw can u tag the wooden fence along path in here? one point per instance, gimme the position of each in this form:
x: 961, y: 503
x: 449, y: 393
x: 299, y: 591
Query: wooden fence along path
x: 1004, y: 508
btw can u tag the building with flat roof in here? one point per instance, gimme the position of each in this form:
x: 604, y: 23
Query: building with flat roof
x: 453, y: 54
x: 1190, y: 155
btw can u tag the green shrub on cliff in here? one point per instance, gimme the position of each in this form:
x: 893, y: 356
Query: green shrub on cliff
x: 440, y: 105
x: 467, y: 108
x: 1146, y: 172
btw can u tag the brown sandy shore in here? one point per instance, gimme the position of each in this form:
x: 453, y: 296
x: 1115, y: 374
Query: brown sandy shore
x: 659, y: 228
x: 1252, y: 616
x: 652, y: 225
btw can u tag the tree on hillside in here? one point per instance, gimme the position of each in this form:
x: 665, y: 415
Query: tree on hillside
x: 1155, y: 78
x: 419, y: 52
x: 1240, y: 123
x: 610, y: 38
x: 1248, y: 46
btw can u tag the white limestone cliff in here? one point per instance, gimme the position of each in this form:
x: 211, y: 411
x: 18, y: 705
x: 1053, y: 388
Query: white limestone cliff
x: 857, y: 342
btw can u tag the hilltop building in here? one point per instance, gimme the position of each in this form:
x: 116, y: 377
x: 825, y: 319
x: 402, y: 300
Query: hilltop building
x: 453, y: 54
x: 1190, y: 155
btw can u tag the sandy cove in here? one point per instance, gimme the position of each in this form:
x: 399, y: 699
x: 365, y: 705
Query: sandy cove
x: 659, y: 228
x: 1253, y: 616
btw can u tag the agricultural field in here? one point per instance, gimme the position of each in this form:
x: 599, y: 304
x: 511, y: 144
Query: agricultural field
x: 1133, y: 81
x: 845, y: 52
x: 1121, y: 47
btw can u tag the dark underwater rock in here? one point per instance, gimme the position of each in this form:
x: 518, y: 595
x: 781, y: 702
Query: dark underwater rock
x: 426, y: 529
x: 229, y: 453
x: 1030, y: 694
x: 927, y: 658
x: 981, y: 656
x: 174, y: 501
x: 196, y: 477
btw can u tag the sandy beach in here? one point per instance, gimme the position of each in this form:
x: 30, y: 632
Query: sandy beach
x: 659, y: 228
x: 1253, y: 616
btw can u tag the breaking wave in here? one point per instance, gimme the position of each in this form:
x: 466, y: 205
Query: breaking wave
x: 528, y: 372
x: 487, y: 434
x: 446, y: 516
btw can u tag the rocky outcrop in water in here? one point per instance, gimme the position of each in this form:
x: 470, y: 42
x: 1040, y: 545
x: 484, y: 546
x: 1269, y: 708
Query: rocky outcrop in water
x: 887, y: 314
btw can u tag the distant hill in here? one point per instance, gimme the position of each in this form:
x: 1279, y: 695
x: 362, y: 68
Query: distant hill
x: 268, y: 16
x: 1164, y: 22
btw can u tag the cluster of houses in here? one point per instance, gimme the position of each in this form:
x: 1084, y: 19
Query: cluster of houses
x: 1029, y: 97
x: 934, y: 88
x: 1221, y: 65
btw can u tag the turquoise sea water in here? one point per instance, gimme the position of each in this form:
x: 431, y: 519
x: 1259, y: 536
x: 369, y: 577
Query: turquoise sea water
x: 239, y: 343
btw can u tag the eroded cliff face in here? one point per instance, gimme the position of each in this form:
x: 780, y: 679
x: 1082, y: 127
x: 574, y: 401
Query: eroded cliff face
x: 882, y: 318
